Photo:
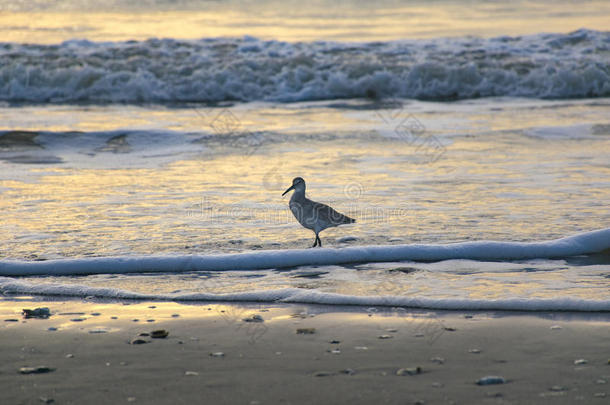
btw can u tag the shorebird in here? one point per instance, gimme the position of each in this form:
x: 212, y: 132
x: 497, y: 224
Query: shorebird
x: 313, y: 215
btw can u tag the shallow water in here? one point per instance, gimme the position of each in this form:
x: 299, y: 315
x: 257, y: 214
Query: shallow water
x: 117, y: 143
x: 475, y: 173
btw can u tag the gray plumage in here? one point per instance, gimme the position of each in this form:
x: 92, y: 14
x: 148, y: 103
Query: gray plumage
x: 313, y: 215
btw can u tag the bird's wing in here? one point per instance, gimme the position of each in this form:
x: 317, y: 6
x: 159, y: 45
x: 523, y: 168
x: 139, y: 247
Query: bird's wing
x: 330, y: 216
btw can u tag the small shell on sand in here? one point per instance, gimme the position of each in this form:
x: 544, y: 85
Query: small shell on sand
x: 580, y: 362
x: 490, y: 380
x: 475, y: 351
x: 409, y: 371
x: 217, y: 354
x: 385, y: 336
x: 192, y: 373
x: 35, y: 370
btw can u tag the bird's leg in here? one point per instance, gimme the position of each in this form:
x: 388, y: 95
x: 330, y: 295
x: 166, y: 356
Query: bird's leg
x: 315, y: 242
x: 319, y: 240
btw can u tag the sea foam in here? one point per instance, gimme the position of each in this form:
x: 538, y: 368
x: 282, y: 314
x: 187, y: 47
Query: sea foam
x: 9, y: 286
x: 573, y: 65
x: 581, y: 244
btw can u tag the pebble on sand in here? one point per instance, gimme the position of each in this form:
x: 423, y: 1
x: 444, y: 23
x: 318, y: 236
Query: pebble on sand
x: 139, y: 341
x: 217, y: 354
x: 41, y: 313
x: 439, y: 360
x: 35, y: 370
x: 323, y: 373
x: 193, y: 373
x: 490, y: 380
x: 159, y: 334
x: 306, y: 331
x: 385, y: 336
x: 580, y: 362
x: 254, y: 318
x: 409, y: 371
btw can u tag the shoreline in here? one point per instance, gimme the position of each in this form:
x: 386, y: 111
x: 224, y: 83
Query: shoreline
x: 299, y: 354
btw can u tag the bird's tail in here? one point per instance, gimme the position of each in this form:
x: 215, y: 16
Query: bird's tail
x: 348, y: 220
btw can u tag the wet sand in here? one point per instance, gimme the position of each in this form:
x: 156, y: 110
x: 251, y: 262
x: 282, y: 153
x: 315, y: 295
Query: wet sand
x: 299, y: 355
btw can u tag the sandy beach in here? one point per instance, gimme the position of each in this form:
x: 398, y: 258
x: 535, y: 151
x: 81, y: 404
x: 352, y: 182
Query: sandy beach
x: 296, y: 354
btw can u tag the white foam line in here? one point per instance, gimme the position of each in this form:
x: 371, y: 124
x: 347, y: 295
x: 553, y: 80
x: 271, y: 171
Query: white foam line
x: 581, y: 244
x: 295, y: 295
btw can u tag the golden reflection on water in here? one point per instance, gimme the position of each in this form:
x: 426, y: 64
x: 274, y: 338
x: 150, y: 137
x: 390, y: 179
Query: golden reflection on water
x: 201, y: 204
x: 320, y: 20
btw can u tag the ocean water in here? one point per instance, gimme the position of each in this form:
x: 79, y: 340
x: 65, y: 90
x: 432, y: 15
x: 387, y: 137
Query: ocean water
x: 144, y: 156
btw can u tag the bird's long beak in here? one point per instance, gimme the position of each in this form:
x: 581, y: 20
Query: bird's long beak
x: 289, y: 188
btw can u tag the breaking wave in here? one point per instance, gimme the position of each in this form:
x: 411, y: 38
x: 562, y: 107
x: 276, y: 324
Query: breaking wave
x: 573, y: 65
